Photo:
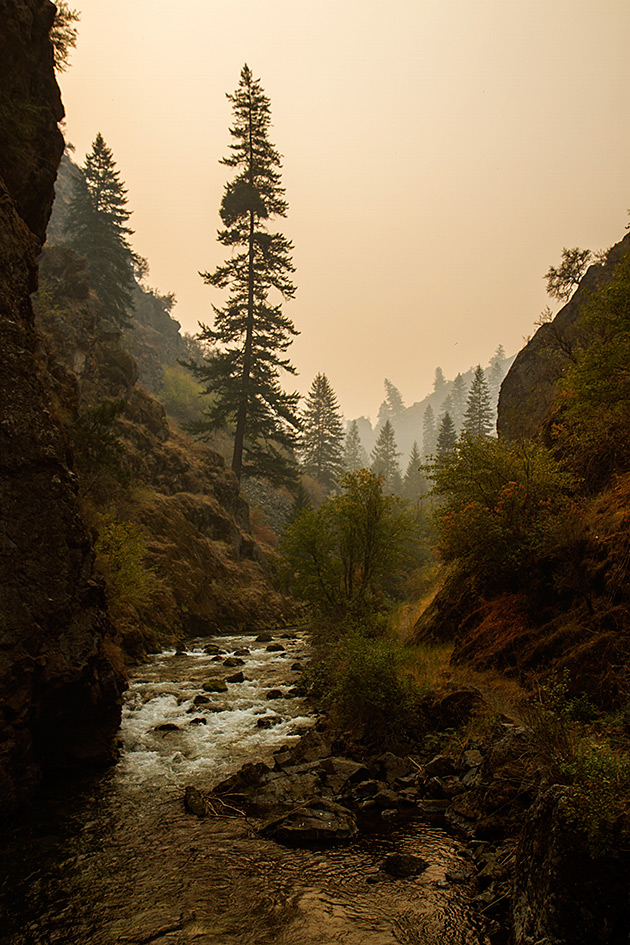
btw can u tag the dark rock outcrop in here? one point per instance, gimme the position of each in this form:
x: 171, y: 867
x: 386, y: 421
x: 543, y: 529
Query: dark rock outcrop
x: 529, y: 387
x: 562, y: 892
x: 60, y: 693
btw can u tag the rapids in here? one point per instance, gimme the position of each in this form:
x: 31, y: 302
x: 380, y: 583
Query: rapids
x: 117, y: 859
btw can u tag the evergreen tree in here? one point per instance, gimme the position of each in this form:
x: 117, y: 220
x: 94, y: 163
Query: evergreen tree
x: 447, y: 436
x: 250, y: 331
x: 321, y: 443
x: 458, y: 394
x: 428, y: 431
x: 414, y: 484
x: 385, y: 459
x: 393, y: 404
x: 96, y: 227
x: 478, y: 416
x: 439, y: 380
x: 354, y: 455
x: 497, y: 372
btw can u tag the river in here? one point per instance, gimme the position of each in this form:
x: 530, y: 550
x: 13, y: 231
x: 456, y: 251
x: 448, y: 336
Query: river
x: 117, y: 859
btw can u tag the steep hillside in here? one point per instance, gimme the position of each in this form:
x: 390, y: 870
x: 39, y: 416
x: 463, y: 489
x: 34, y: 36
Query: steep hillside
x: 202, y: 568
x: 536, y: 530
x: 60, y: 694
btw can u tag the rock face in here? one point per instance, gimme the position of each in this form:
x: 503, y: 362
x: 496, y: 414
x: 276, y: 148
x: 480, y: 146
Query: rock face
x: 562, y: 893
x: 529, y: 386
x: 60, y: 693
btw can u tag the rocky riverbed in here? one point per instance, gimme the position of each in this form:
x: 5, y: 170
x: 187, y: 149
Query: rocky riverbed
x: 122, y: 859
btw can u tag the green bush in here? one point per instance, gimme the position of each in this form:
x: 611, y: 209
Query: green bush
x: 367, y: 689
x: 601, y: 792
x: 121, y: 550
x: 181, y: 395
x: 347, y: 557
x: 497, y: 501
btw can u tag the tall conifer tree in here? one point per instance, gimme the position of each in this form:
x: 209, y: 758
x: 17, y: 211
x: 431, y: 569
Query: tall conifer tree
x: 97, y: 228
x: 414, y: 483
x: 447, y: 436
x: 250, y: 332
x: 428, y: 431
x: 478, y: 416
x: 354, y: 454
x: 321, y: 443
x: 385, y: 459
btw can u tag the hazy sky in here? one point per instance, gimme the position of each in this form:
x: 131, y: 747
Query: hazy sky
x: 438, y: 154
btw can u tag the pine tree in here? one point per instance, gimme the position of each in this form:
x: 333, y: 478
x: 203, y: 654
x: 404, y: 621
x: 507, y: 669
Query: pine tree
x: 438, y: 380
x: 354, y: 455
x: 478, y: 416
x: 393, y: 404
x: 96, y: 228
x: 414, y: 484
x: 496, y: 373
x: 385, y: 459
x: 250, y: 331
x: 458, y: 394
x: 428, y: 431
x: 321, y: 443
x: 447, y: 436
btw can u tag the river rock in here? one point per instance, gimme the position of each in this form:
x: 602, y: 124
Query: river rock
x: 402, y: 865
x: 321, y: 820
x: 341, y: 772
x: 242, y: 651
x: 393, y: 766
x: 198, y: 720
x: 439, y: 767
x: 297, y: 668
x: 236, y: 678
x: 268, y: 721
x: 193, y: 801
x: 215, y: 685
x: 386, y: 799
x: 167, y: 727
x: 212, y: 649
x: 275, y: 648
x: 201, y: 700
x: 233, y: 661
x: 472, y: 758
x: 264, y: 637
x: 274, y: 694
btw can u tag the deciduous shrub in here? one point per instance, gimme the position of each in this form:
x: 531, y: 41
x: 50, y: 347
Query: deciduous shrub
x: 348, y: 556
x: 497, y: 500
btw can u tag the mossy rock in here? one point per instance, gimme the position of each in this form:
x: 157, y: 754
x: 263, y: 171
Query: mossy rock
x: 215, y: 685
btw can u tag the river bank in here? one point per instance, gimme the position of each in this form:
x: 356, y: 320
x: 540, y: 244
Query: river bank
x: 120, y: 859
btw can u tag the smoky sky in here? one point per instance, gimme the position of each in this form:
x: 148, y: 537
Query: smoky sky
x: 437, y: 156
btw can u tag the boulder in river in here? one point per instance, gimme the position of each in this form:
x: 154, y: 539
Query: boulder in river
x: 275, y: 648
x: 215, y: 685
x: 237, y: 677
x: 319, y: 820
x: 268, y: 721
x: 274, y: 694
x: 193, y: 801
x: 402, y: 865
x: 233, y: 661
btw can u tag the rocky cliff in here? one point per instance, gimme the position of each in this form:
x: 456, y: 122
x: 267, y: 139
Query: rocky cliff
x: 60, y: 693
x: 530, y: 385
